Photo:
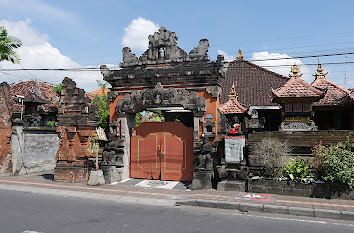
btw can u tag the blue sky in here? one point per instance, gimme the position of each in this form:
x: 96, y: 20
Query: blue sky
x: 66, y: 33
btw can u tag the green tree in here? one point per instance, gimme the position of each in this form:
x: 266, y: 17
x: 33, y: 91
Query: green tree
x: 8, y: 44
x: 57, y: 89
x: 102, y: 104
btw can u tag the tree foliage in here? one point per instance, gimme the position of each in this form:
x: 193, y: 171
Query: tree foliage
x: 8, y: 44
x: 102, y: 104
x: 57, y: 89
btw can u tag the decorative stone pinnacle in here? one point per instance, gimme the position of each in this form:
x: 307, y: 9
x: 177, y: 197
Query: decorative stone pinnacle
x: 295, y: 71
x: 239, y: 54
x: 233, y: 94
x: 320, y: 73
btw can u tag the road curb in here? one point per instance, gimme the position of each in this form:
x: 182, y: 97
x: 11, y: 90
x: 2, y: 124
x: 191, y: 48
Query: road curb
x: 275, y: 209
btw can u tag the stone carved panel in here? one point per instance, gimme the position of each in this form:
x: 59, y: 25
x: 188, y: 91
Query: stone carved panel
x: 234, y: 147
x: 163, y: 47
x: 138, y: 101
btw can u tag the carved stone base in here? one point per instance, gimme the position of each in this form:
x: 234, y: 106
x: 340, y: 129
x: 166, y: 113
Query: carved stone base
x: 235, y: 185
x: 96, y: 178
x: 202, y: 179
x: 298, y: 126
x: 76, y: 171
x: 111, y: 174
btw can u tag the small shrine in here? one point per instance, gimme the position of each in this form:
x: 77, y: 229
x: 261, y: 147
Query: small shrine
x: 31, y: 102
x: 296, y: 98
x: 330, y: 111
x: 235, y: 115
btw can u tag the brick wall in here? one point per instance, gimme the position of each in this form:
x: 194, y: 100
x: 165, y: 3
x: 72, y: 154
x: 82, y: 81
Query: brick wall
x: 77, y: 121
x: 5, y: 128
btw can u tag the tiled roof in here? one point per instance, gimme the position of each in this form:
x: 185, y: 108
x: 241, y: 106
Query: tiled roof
x: 297, y: 87
x: 254, y: 83
x: 334, y: 92
x: 347, y: 99
x: 98, y: 92
x: 232, y: 107
x: 45, y: 91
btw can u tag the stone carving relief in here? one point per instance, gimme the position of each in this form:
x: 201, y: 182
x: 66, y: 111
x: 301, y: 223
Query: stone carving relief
x: 113, y: 153
x: 201, y: 51
x: 129, y: 59
x: 138, y: 101
x: 298, y: 126
x: 163, y: 49
x: 214, y: 91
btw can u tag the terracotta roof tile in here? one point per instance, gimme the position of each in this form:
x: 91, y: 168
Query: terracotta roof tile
x: 254, y: 83
x: 347, y: 99
x: 232, y: 107
x: 334, y: 92
x: 98, y: 92
x: 297, y: 87
x: 23, y: 88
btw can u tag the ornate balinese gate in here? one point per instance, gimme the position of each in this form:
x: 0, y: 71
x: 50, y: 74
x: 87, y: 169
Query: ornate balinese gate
x: 162, y: 150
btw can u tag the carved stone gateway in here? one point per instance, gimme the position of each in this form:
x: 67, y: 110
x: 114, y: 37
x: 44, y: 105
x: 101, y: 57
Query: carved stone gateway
x: 177, y: 83
x: 138, y: 101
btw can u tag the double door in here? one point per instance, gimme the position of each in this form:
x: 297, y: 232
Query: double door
x: 162, y: 150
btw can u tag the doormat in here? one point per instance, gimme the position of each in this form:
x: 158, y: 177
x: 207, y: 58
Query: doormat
x: 254, y: 197
x: 157, y: 184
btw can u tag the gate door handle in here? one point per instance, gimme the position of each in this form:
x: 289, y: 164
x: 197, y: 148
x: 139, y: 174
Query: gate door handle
x: 162, y: 151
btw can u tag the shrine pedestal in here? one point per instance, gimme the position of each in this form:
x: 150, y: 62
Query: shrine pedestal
x: 202, y: 179
x: 233, y: 185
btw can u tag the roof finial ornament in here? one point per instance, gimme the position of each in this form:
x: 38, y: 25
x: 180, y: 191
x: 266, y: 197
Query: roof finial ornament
x: 320, y: 73
x: 239, y: 54
x: 295, y: 71
x: 233, y: 94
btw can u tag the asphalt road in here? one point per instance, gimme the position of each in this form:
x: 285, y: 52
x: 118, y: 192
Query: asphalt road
x: 28, y: 212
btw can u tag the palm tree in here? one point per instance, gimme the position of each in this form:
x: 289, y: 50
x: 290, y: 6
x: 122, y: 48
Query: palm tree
x: 7, y: 46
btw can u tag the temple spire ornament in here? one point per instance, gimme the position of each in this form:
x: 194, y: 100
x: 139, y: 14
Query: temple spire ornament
x: 320, y: 73
x: 239, y: 54
x: 233, y: 93
x: 295, y: 71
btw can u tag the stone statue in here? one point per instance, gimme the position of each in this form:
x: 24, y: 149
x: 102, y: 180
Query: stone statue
x: 201, y: 51
x: 204, y: 161
x: 129, y: 59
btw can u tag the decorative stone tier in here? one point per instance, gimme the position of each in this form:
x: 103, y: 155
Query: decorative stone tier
x: 191, y: 75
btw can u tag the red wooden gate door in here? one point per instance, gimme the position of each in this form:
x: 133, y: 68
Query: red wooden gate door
x: 162, y: 150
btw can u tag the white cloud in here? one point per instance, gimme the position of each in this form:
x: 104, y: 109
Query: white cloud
x: 279, y: 65
x: 36, y: 52
x: 137, y: 32
x: 37, y: 8
x: 227, y: 57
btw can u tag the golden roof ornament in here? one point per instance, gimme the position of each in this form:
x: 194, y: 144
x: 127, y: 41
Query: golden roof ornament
x: 295, y: 71
x: 233, y: 94
x: 320, y: 73
x: 239, y: 54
